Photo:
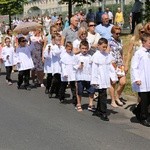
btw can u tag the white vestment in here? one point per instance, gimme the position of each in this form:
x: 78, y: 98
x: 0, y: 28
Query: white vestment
x: 102, y: 70
x: 8, y: 55
x: 68, y: 71
x: 24, y: 59
x: 140, y: 70
x: 48, y: 58
x: 56, y: 55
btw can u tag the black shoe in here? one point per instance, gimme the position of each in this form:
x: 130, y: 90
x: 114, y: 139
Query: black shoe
x: 46, y: 91
x: 28, y: 88
x: 61, y: 100
x: 145, y: 123
x: 56, y: 96
x: 50, y: 95
x: 18, y: 87
x: 134, y: 111
x: 104, y: 117
x: 96, y: 113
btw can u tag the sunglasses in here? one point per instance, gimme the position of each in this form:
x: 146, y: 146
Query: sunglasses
x: 142, y: 32
x: 117, y: 33
x: 24, y: 41
x: 58, y: 23
x: 92, y: 25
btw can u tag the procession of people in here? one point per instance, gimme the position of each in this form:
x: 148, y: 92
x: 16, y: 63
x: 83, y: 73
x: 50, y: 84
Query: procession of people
x: 85, y: 57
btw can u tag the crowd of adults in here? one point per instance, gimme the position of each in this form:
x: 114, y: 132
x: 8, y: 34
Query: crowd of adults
x: 90, y: 28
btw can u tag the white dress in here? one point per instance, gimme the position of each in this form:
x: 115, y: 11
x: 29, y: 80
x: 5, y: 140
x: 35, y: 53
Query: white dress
x: 68, y: 71
x: 102, y: 70
x: 140, y: 70
x: 8, y: 51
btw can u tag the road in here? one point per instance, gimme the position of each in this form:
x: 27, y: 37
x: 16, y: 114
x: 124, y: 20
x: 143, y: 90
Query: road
x: 29, y: 120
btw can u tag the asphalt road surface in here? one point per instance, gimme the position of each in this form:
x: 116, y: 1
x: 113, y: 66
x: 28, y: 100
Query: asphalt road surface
x: 29, y: 120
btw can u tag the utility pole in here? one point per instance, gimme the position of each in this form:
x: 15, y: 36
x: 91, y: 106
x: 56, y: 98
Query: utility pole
x: 122, y: 6
x: 103, y: 5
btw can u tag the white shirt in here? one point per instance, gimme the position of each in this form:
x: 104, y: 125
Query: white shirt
x: 93, y: 38
x: 140, y: 70
x: 85, y: 73
x: 110, y: 15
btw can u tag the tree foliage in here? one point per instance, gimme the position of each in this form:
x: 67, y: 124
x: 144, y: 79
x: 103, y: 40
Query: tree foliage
x: 11, y: 7
x: 147, y: 11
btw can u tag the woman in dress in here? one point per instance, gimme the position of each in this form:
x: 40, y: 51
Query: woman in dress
x: 116, y: 49
x: 38, y: 41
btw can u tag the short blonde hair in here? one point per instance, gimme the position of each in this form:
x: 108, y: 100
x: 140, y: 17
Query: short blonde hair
x: 82, y: 30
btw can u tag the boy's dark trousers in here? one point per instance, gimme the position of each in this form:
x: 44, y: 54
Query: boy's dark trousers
x: 49, y: 81
x: 56, y: 83
x: 24, y: 75
x: 142, y: 108
x: 8, y: 73
x: 73, y: 90
x: 102, y: 101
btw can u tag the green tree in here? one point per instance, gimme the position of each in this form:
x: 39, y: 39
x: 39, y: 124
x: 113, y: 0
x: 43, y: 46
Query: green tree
x: 147, y: 11
x: 11, y: 7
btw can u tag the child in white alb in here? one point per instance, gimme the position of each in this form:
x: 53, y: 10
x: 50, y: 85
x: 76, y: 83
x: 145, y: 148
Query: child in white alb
x: 8, y: 59
x: 56, y: 51
x: 68, y: 72
x: 48, y: 68
x: 24, y: 62
x: 102, y: 73
x: 140, y: 77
